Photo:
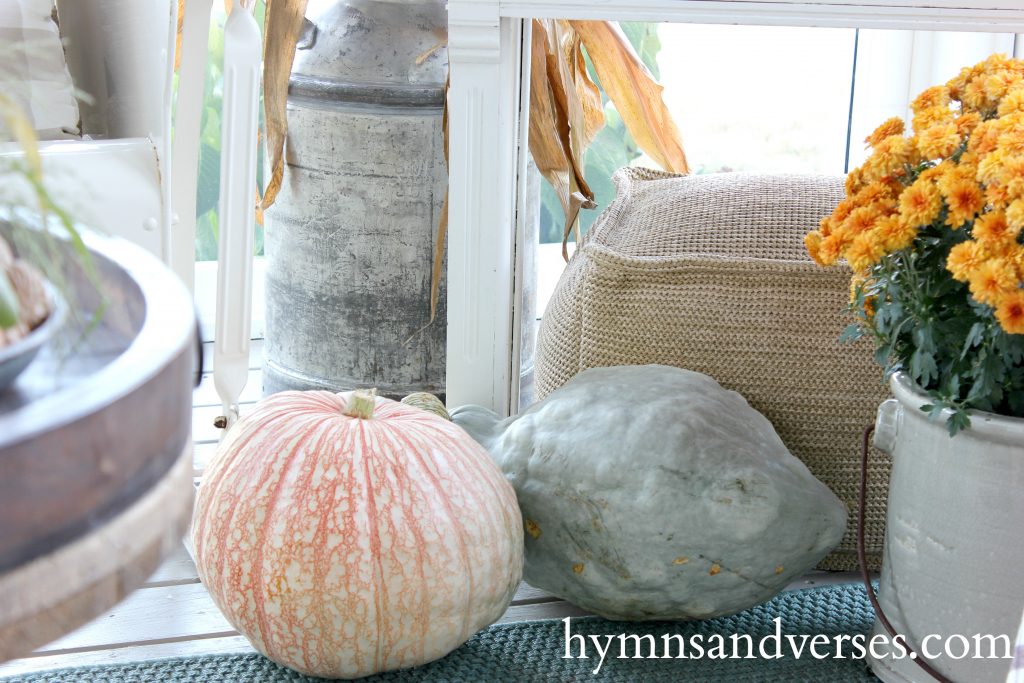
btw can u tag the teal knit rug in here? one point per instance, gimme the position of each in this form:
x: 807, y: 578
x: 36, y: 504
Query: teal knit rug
x: 534, y: 651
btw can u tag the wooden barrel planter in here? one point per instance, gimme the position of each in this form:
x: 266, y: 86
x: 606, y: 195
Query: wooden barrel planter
x: 95, y: 450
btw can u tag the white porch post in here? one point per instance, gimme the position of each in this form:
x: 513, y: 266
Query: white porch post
x: 483, y: 50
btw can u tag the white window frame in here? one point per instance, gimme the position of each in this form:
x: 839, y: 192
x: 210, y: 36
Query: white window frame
x: 489, y: 78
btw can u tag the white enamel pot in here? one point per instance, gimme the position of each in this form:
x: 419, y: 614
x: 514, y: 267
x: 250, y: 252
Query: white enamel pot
x: 953, y: 567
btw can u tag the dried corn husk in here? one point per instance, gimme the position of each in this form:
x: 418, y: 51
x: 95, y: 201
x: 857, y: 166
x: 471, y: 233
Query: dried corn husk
x: 566, y: 111
x: 284, y: 23
x: 637, y: 96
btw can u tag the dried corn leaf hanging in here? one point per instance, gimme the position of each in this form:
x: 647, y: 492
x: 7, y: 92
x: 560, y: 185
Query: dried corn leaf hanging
x: 181, y: 28
x: 283, y: 25
x: 588, y: 92
x: 442, y: 224
x: 554, y: 101
x: 637, y: 96
x: 584, y: 111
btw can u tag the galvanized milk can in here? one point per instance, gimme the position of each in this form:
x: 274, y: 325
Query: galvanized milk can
x: 350, y: 241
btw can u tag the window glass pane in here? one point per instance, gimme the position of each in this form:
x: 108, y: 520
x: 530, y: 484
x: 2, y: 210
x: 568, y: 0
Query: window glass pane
x: 893, y: 67
x: 761, y: 99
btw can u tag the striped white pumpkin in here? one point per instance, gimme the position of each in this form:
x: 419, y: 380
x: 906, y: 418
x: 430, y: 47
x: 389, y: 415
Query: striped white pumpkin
x: 342, y: 546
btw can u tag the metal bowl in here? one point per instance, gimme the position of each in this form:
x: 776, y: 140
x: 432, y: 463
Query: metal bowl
x: 14, y: 358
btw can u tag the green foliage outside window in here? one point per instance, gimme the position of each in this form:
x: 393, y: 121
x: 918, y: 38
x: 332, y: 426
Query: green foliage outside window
x: 208, y: 189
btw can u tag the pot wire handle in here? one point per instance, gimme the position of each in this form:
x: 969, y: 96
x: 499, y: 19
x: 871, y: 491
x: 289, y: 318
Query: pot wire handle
x: 862, y: 561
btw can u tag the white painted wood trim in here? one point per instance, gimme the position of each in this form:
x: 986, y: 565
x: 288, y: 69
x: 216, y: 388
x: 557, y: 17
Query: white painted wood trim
x: 239, y: 116
x: 185, y: 147
x: 484, y: 53
x: 485, y: 138
x: 935, y: 15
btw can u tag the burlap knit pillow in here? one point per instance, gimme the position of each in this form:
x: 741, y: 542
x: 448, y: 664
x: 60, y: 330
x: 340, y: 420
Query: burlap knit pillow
x: 709, y: 273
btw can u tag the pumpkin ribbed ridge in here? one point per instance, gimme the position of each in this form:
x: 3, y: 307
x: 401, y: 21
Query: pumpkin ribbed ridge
x: 343, y: 546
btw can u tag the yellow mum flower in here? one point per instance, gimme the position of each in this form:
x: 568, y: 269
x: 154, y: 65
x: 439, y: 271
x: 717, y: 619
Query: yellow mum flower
x: 891, y: 155
x: 894, y: 234
x: 854, y: 181
x: 843, y: 210
x: 998, y: 83
x: 1010, y: 312
x: 920, y: 203
x: 935, y: 96
x: 864, y: 252
x: 997, y: 196
x: 1013, y: 101
x: 890, y: 127
x: 825, y: 226
x: 861, y: 220
x: 812, y: 241
x: 957, y: 84
x: 998, y: 61
x: 984, y: 138
x: 857, y: 282
x: 993, y: 228
x: 1015, y: 214
x: 1011, y: 139
x: 964, y: 259
x: 1015, y: 253
x: 932, y: 116
x: 1012, y: 176
x: 875, y: 192
x: 975, y: 96
x: 937, y: 171
x: 948, y: 173
x: 993, y: 280
x: 990, y: 169
x: 939, y: 141
x: 830, y: 249
x: 966, y: 123
x: 964, y: 199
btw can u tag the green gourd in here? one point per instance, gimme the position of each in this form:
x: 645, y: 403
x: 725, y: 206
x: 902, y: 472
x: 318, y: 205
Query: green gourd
x: 650, y: 492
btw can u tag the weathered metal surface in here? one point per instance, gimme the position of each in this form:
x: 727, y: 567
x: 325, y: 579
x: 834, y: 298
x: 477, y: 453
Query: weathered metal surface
x: 83, y: 437
x: 350, y: 240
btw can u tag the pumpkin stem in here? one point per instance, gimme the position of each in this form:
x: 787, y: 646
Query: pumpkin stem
x: 362, y: 403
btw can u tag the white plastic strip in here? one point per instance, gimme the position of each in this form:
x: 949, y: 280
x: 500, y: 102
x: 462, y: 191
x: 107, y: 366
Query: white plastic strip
x: 242, y: 47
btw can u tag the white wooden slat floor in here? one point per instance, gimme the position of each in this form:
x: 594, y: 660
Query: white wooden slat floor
x: 173, y: 616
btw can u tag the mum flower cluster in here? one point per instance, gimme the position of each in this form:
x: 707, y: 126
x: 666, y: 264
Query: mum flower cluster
x: 961, y: 169
x: 932, y: 208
